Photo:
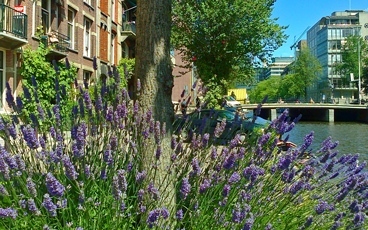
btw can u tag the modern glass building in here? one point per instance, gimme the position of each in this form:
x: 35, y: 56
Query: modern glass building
x: 325, y: 40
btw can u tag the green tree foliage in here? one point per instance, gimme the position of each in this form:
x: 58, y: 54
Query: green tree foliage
x: 306, y: 70
x: 126, y: 70
x: 50, y: 78
x: 219, y: 35
x: 350, y: 60
x: 269, y: 88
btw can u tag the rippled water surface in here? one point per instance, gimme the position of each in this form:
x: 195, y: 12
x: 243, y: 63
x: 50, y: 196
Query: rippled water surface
x: 352, y: 137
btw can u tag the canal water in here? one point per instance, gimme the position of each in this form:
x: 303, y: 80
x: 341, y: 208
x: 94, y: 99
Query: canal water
x: 352, y: 137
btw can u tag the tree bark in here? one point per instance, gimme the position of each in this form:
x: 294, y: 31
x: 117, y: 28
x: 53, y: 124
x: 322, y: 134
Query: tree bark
x: 154, y: 70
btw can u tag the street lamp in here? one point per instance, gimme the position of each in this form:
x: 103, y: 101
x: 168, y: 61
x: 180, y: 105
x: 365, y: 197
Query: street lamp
x: 359, y: 81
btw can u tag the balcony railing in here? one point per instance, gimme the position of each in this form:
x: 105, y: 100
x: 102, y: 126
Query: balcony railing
x: 129, y: 27
x: 13, y: 22
x: 56, y: 41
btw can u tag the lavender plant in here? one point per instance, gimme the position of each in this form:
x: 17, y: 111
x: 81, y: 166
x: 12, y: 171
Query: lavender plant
x: 91, y: 176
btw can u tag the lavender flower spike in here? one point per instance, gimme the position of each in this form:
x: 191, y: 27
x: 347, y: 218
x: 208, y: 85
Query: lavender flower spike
x: 8, y: 213
x: 54, y: 187
x: 185, y: 188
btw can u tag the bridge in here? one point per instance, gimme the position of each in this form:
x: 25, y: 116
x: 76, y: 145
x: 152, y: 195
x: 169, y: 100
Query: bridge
x: 315, y: 111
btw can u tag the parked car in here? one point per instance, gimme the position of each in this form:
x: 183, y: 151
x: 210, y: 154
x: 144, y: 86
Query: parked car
x: 230, y: 101
x: 205, y: 121
x: 356, y: 102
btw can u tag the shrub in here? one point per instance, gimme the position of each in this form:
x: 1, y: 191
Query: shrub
x: 91, y: 176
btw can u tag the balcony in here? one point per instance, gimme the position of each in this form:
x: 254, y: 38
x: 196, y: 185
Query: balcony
x: 128, y: 30
x: 58, y: 44
x: 13, y: 28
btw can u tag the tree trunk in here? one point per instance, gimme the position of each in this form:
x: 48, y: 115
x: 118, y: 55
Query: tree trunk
x: 154, y: 70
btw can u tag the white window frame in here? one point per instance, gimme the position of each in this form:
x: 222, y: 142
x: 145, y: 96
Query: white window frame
x: 112, y: 51
x: 87, y: 49
x: 113, y: 10
x: 71, y: 26
x: 48, y: 10
x: 89, y: 2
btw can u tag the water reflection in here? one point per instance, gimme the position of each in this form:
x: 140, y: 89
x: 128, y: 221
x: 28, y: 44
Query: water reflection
x: 352, y: 137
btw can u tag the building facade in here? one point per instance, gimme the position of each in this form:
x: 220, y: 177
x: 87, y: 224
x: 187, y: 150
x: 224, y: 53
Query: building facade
x: 74, y: 29
x: 325, y: 41
x: 275, y: 68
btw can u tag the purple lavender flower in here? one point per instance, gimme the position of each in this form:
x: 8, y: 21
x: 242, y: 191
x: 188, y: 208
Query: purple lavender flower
x: 94, y: 63
x: 196, y: 169
x: 220, y: 127
x: 179, y: 214
x: 252, y: 172
x: 113, y: 142
x: 204, y: 186
x: 248, y: 224
x: 238, y: 215
x: 229, y: 162
x: 185, y: 188
x: 32, y: 207
x: 116, y: 191
x: 49, y: 205
x: 3, y: 191
x: 70, y: 171
x: 87, y: 171
x: 56, y: 111
x: 226, y: 190
x: 110, y: 114
x: 8, y: 213
x: 153, y: 191
x: 140, y: 176
x: 108, y: 157
x: 23, y: 203
x: 322, y: 206
x: 31, y: 186
x: 4, y: 168
x: 87, y: 100
x: 234, y: 178
x: 30, y: 137
x: 54, y: 187
x: 158, y: 152
x: 19, y: 103
x: 9, y: 96
x: 12, y: 130
x: 359, y: 219
x: 153, y: 217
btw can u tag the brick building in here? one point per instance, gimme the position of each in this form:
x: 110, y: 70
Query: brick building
x: 76, y: 29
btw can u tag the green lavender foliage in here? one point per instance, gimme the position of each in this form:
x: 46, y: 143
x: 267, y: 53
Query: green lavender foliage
x: 90, y: 176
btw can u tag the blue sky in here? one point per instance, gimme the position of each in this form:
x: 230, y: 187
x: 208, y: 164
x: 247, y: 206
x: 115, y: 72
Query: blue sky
x: 299, y: 14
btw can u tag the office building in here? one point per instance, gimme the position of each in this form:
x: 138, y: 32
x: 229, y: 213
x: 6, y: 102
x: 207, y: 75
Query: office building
x: 325, y: 40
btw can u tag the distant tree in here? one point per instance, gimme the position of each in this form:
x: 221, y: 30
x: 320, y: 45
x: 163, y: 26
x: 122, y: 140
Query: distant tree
x: 269, y: 88
x: 289, y: 88
x: 220, y: 35
x: 305, y: 71
x: 350, y: 60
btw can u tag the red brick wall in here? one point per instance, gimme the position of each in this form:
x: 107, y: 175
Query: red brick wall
x: 104, y: 43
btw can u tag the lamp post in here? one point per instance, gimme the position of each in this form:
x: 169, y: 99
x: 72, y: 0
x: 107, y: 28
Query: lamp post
x: 359, y: 81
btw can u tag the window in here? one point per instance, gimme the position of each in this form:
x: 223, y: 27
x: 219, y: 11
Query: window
x: 87, y: 79
x: 71, y: 27
x: 45, y: 15
x: 112, y: 51
x: 88, y: 2
x: 87, y: 38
